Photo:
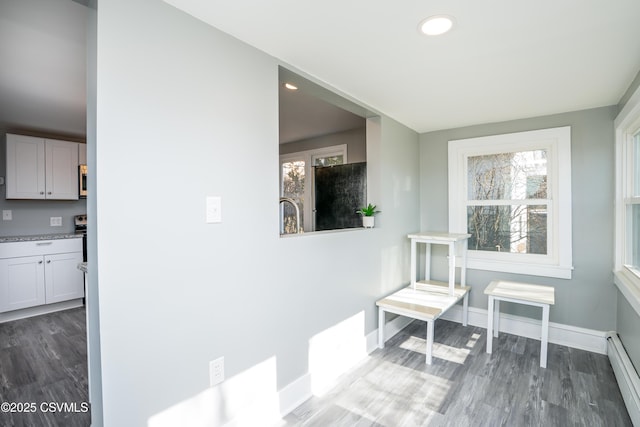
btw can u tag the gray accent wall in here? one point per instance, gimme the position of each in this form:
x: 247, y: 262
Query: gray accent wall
x: 588, y: 300
x: 185, y: 111
x: 627, y: 328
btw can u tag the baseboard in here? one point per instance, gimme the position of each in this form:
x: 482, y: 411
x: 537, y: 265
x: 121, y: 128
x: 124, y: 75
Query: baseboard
x: 570, y: 336
x: 298, y: 391
x: 39, y: 310
x: 295, y: 394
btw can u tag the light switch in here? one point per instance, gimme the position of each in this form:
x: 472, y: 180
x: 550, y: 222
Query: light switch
x: 214, y: 209
x: 7, y: 215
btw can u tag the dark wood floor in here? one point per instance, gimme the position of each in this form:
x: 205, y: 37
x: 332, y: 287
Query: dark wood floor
x: 43, y: 364
x: 467, y: 387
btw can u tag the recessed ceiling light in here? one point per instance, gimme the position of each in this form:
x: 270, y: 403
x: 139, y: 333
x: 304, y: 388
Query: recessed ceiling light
x: 436, y: 25
x: 290, y: 86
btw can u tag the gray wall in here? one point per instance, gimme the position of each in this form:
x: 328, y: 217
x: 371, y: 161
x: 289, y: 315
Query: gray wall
x: 32, y: 216
x: 176, y: 292
x: 356, y: 140
x: 635, y: 84
x: 587, y: 300
x: 627, y: 328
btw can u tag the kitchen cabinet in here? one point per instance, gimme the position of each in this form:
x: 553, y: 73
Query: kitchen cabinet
x: 40, y: 168
x: 40, y: 272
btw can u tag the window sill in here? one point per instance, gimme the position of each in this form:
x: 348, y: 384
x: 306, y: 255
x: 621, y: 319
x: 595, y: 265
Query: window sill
x: 545, y: 270
x: 629, y: 286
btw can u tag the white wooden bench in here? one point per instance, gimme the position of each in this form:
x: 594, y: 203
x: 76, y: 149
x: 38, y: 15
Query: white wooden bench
x: 427, y: 301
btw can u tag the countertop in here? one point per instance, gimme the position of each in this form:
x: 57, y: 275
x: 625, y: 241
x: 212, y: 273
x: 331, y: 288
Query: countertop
x: 7, y: 239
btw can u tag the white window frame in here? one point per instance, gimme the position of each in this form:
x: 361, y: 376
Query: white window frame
x: 627, y: 124
x: 309, y: 157
x: 557, y: 142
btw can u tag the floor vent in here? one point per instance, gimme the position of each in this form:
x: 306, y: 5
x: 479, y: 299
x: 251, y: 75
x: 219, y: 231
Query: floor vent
x: 626, y: 375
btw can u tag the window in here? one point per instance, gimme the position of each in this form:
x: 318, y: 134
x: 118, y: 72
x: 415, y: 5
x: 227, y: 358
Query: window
x: 627, y: 257
x: 512, y: 193
x: 296, y: 174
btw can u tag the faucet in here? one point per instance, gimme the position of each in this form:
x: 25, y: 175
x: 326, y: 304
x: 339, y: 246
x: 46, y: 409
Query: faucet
x: 295, y: 205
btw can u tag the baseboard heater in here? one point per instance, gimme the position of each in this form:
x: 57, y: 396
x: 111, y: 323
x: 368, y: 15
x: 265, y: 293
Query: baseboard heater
x: 626, y: 375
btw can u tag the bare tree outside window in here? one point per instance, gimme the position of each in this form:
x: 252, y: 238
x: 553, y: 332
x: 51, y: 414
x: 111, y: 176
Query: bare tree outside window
x: 507, y: 202
x: 293, y: 180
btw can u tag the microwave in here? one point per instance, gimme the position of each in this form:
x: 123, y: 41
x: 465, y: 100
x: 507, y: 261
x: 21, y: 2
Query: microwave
x: 83, y: 181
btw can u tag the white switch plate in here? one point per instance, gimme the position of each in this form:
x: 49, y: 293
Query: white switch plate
x: 55, y: 221
x: 7, y: 215
x: 1, y: 180
x: 214, y: 209
x: 216, y: 371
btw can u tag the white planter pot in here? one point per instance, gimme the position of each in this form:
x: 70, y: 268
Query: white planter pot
x: 368, y: 221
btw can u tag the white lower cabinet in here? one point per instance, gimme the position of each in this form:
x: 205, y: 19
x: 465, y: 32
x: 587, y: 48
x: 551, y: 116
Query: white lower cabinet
x: 21, y: 283
x: 42, y: 278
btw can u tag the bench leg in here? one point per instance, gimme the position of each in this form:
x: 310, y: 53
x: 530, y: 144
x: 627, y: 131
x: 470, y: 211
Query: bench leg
x: 545, y: 336
x: 465, y: 309
x: 429, y: 341
x: 380, y: 327
x: 496, y: 322
x: 490, y: 325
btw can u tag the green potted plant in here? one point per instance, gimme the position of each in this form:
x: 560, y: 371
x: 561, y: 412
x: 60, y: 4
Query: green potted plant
x: 368, y: 215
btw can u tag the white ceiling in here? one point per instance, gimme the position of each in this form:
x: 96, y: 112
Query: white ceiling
x: 43, y: 65
x: 504, y: 60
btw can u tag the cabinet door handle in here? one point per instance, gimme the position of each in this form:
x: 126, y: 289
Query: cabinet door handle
x: 48, y: 261
x: 44, y: 243
x: 49, y: 192
x: 40, y: 262
x: 42, y: 192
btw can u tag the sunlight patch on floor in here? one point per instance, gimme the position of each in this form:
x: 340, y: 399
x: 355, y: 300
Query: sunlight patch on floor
x: 390, y: 393
x: 441, y: 351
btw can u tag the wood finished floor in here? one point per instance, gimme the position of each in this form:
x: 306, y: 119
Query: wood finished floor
x: 44, y: 359
x: 467, y: 387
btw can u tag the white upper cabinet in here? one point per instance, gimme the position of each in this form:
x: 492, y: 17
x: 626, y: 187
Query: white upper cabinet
x: 39, y: 168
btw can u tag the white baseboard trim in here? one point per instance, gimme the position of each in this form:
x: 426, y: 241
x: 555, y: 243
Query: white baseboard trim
x: 298, y: 391
x: 570, y: 336
x: 295, y: 394
x: 391, y: 328
x: 39, y: 310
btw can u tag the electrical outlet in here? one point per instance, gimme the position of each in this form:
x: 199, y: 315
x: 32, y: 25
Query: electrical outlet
x: 216, y: 371
x: 55, y: 221
x: 7, y: 215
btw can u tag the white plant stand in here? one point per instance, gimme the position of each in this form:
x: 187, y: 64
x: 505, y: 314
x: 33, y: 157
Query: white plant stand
x: 520, y: 293
x: 428, y: 299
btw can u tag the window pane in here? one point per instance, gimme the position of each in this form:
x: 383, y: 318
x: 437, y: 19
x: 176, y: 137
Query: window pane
x: 508, y: 176
x: 328, y: 161
x: 514, y: 228
x: 293, y: 180
x: 633, y: 233
x: 636, y: 165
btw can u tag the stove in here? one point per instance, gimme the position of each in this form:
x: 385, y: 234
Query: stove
x: 80, y: 222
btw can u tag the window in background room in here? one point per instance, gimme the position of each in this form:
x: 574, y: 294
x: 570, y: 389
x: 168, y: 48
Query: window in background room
x: 512, y: 193
x: 296, y: 175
